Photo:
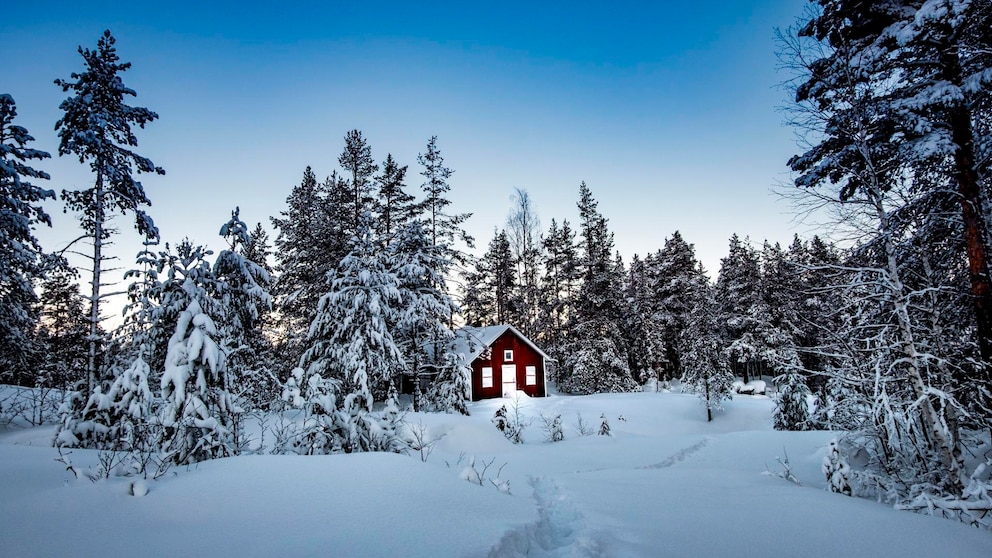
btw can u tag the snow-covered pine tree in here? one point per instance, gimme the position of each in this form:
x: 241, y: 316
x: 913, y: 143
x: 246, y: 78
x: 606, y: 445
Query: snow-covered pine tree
x: 133, y: 406
x: 494, y: 281
x: 97, y: 128
x: 676, y: 278
x: 643, y: 334
x: 259, y: 250
x: 836, y: 469
x: 442, y: 229
x: 705, y: 369
x: 559, y: 287
x: 351, y: 343
x: 792, y: 405
x: 394, y: 206
x: 596, y: 360
x: 243, y: 292
x: 320, y: 432
x: 883, y: 90
x: 310, y: 244
x: 62, y: 331
x: 197, y: 408
x: 742, y: 310
x: 450, y: 390
x: 356, y: 160
x: 604, y: 426
x: 425, y: 310
x: 21, y: 257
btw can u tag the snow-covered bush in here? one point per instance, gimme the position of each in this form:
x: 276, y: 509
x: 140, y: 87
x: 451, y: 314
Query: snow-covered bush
x: 792, y: 406
x: 552, y: 427
x: 604, y: 426
x: 836, y: 469
x: 477, y: 474
x: 510, y: 422
x: 582, y: 427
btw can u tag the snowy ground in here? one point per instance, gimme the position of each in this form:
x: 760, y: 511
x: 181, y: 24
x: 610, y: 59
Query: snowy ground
x: 665, y: 484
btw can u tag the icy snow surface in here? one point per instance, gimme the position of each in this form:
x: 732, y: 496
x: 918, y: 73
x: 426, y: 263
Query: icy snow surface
x: 666, y: 483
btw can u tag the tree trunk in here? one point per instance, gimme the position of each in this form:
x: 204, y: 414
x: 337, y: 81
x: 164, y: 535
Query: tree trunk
x: 935, y: 429
x: 94, y: 318
x: 972, y: 213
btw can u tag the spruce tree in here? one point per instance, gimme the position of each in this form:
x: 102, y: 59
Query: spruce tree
x: 63, y: 330
x: 705, y: 369
x: 97, y: 128
x: 242, y: 290
x: 442, y: 228
x: 495, y: 282
x: 792, y: 406
x: 356, y: 160
x: 394, y: 206
x: 597, y: 358
x: 21, y: 257
x: 676, y: 278
x: 738, y: 292
x: 559, y: 289
x: 422, y: 323
x: 310, y: 244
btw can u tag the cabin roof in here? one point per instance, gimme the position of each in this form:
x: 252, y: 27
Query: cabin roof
x: 472, y: 341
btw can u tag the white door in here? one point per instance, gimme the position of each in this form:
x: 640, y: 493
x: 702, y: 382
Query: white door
x: 509, y: 373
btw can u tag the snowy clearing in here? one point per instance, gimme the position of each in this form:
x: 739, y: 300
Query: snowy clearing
x: 665, y: 483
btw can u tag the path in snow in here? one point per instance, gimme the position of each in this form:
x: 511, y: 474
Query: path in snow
x: 679, y: 456
x: 560, y: 530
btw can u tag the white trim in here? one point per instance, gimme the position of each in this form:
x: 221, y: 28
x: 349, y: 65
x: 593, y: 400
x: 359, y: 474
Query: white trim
x: 531, y: 375
x: 509, y: 387
x: 487, y: 379
x: 507, y: 355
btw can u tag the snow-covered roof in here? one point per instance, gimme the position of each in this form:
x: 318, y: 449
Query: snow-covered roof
x: 472, y: 341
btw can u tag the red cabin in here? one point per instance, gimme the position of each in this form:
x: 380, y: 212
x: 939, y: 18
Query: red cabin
x: 503, y: 362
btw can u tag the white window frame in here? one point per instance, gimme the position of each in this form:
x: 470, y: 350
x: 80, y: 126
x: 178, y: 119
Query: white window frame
x: 487, y: 376
x: 531, y: 375
x: 507, y: 355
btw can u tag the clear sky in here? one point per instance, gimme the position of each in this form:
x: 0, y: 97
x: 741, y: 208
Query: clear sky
x: 668, y: 110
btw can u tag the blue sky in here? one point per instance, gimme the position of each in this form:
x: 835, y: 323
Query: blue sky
x: 668, y: 112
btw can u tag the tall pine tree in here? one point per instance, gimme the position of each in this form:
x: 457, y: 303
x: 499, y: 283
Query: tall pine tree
x: 97, y: 128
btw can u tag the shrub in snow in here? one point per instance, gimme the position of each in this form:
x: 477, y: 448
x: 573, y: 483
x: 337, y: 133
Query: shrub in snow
x: 477, y: 474
x: 85, y: 421
x: 371, y: 431
x: 510, y: 423
x: 836, y: 469
x: 421, y: 440
x: 552, y: 428
x: 792, y: 405
x: 582, y: 427
x: 604, y: 427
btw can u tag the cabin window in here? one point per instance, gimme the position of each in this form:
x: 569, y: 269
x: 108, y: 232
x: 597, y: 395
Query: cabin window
x: 532, y: 375
x: 487, y: 376
x: 508, y: 355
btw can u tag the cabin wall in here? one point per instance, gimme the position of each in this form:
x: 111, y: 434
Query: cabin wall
x: 523, y: 356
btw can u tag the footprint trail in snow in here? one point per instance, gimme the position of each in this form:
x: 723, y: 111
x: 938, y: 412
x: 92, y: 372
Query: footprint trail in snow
x: 560, y: 530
